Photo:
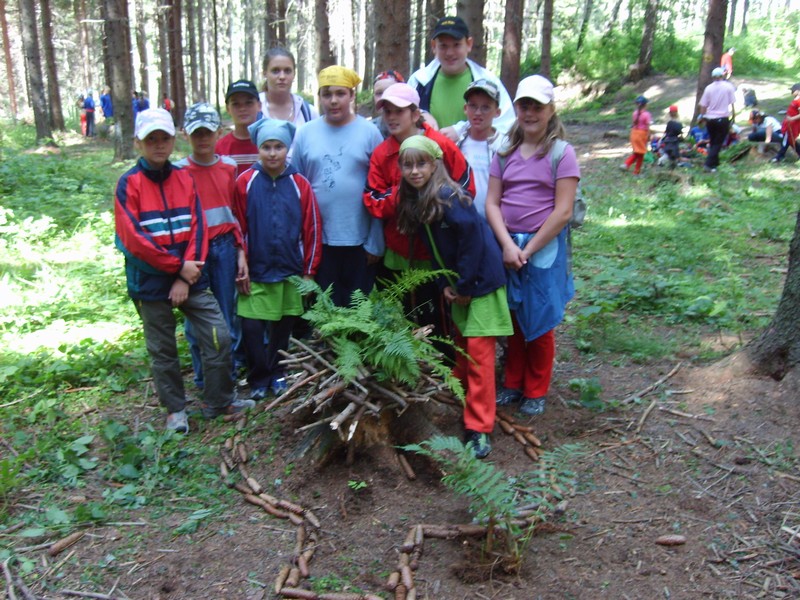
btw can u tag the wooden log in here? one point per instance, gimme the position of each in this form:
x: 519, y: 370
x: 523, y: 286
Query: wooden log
x: 289, y: 592
x: 406, y: 466
x: 58, y: 547
x: 343, y: 416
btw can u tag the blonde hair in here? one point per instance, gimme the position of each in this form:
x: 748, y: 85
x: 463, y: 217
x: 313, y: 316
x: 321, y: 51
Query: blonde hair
x: 424, y: 206
x: 555, y: 130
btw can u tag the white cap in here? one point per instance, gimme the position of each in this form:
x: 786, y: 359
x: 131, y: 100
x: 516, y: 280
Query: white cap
x: 718, y: 72
x: 153, y: 119
x: 537, y: 87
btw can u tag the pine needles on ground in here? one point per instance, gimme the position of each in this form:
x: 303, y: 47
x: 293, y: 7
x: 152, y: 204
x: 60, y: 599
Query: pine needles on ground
x: 374, y: 332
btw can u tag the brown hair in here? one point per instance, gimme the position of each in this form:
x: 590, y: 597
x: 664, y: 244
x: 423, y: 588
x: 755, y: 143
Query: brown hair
x: 555, y: 130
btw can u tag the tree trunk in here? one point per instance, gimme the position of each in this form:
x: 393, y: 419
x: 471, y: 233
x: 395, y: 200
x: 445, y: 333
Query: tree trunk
x: 215, y: 21
x: 512, y: 44
x: 302, y: 45
x: 271, y: 25
x: 33, y: 68
x: 141, y: 47
x: 391, y: 32
x: 419, y: 41
x: 435, y: 11
x: 732, y: 17
x: 202, y: 67
x: 547, y: 39
x: 712, y: 47
x: 194, y: 64
x: 118, y: 44
x: 648, y: 37
x: 472, y: 13
x: 163, y: 51
x: 777, y: 350
x: 371, y: 64
x: 745, y: 10
x: 282, y: 23
x: 587, y: 14
x: 83, y: 33
x: 12, y: 88
x: 54, y: 96
x: 613, y: 20
x: 325, y: 54
x: 177, y: 89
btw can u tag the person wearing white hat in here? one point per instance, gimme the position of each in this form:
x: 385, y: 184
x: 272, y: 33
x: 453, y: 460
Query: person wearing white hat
x: 717, y: 104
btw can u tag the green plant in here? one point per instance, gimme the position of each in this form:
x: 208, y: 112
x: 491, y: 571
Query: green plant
x: 590, y: 390
x: 356, y: 485
x: 374, y: 331
x: 494, y: 497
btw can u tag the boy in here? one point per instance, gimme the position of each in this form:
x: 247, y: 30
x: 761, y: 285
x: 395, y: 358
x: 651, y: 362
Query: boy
x: 161, y: 230
x: 243, y: 105
x: 790, y: 128
x: 215, y: 179
x: 673, y: 134
x: 447, y: 76
x: 333, y: 153
x: 481, y: 141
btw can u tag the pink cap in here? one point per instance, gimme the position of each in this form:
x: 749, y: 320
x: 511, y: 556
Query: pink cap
x: 400, y: 95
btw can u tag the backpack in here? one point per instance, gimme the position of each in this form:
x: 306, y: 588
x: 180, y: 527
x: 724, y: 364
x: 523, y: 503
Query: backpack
x: 556, y: 154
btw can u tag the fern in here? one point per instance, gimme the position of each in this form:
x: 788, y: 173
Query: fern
x: 493, y: 496
x: 374, y: 332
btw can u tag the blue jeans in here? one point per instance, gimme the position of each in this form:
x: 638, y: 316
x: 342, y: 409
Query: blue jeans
x: 221, y: 268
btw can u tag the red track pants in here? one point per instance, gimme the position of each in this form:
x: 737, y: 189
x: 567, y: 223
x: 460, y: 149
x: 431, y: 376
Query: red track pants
x: 529, y: 365
x: 476, y: 372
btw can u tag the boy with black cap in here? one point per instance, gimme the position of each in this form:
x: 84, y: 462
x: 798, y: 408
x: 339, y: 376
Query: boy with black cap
x: 161, y: 230
x: 480, y: 141
x: 243, y: 105
x: 447, y: 76
x: 215, y: 179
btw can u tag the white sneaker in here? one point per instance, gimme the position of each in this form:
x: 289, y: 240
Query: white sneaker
x: 178, y: 421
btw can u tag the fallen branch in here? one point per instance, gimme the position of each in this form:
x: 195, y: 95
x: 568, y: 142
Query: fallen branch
x: 650, y: 388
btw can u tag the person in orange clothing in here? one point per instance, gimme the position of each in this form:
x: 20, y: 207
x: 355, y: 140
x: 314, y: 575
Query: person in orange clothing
x: 436, y: 209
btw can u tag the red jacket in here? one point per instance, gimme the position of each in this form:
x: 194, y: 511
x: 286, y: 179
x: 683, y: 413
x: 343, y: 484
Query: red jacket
x: 159, y: 225
x: 380, y: 195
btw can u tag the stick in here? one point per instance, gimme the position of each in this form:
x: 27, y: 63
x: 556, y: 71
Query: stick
x: 9, y: 581
x: 678, y: 413
x: 645, y: 415
x: 294, y: 388
x: 322, y: 359
x: 650, y: 388
x: 343, y: 416
x: 404, y: 464
x: 87, y: 595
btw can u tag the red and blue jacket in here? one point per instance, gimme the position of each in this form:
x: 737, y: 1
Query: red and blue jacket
x: 281, y: 224
x: 159, y: 225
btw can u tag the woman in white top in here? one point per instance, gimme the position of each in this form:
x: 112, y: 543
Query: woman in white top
x: 277, y: 99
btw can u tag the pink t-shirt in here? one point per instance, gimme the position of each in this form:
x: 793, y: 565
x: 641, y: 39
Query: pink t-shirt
x: 718, y: 98
x: 642, y: 120
x: 244, y: 152
x: 529, y: 188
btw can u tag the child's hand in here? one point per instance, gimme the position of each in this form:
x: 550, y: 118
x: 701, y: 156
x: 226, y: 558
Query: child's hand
x: 513, y: 257
x: 372, y: 258
x: 243, y: 285
x: 451, y: 296
x: 179, y: 292
x: 242, y: 272
x: 192, y: 270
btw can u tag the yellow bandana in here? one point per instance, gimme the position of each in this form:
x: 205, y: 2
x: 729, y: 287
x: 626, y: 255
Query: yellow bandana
x: 336, y: 75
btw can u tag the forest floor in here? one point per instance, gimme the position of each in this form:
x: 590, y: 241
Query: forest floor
x: 707, y: 454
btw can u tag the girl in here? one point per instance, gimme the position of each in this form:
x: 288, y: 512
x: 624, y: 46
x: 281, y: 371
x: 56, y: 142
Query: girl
x: 528, y: 207
x: 383, y: 80
x: 640, y: 135
x: 281, y: 225
x: 277, y: 99
x: 432, y: 206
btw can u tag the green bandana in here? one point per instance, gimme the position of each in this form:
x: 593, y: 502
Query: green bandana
x: 422, y: 143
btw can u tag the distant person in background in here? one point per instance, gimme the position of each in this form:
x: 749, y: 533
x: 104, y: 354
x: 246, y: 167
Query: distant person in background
x: 277, y: 99
x: 88, y: 109
x: 106, y: 105
x: 790, y: 128
x: 442, y: 82
x: 673, y: 134
x: 717, y: 104
x: 382, y: 81
x: 766, y: 129
x: 699, y: 133
x: 144, y: 102
x: 726, y: 62
x: 749, y: 97
x: 640, y: 135
x: 166, y: 103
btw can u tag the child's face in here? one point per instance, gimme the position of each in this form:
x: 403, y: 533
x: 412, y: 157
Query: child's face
x: 380, y: 87
x: 336, y: 101
x: 533, y: 117
x: 203, y: 141
x: 243, y: 108
x: 417, y: 172
x: 401, y: 122
x: 481, y: 110
x: 452, y: 53
x: 280, y: 74
x: 156, y: 147
x: 272, y: 155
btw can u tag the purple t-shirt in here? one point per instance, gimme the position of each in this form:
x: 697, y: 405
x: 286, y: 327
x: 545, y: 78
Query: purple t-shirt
x: 529, y: 189
x: 718, y: 97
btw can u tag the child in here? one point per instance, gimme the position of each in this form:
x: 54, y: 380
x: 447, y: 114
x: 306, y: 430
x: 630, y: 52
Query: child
x: 400, y: 108
x: 333, y: 153
x: 640, y: 133
x: 277, y: 99
x: 215, y: 179
x: 673, y: 134
x: 481, y: 141
x: 383, y: 80
x: 528, y: 207
x: 790, y: 128
x: 699, y: 133
x: 161, y: 230
x: 282, y: 227
x: 243, y: 105
x: 436, y: 209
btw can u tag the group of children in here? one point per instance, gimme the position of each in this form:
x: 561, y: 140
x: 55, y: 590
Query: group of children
x: 218, y: 234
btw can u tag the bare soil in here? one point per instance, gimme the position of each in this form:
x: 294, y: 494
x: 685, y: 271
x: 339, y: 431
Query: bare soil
x: 708, y: 454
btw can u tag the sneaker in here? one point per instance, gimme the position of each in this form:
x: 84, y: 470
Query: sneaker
x: 238, y: 405
x: 532, y: 406
x: 279, y: 386
x: 776, y: 160
x: 258, y: 393
x: 508, y: 396
x: 178, y: 422
x: 479, y: 443
x: 623, y: 167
